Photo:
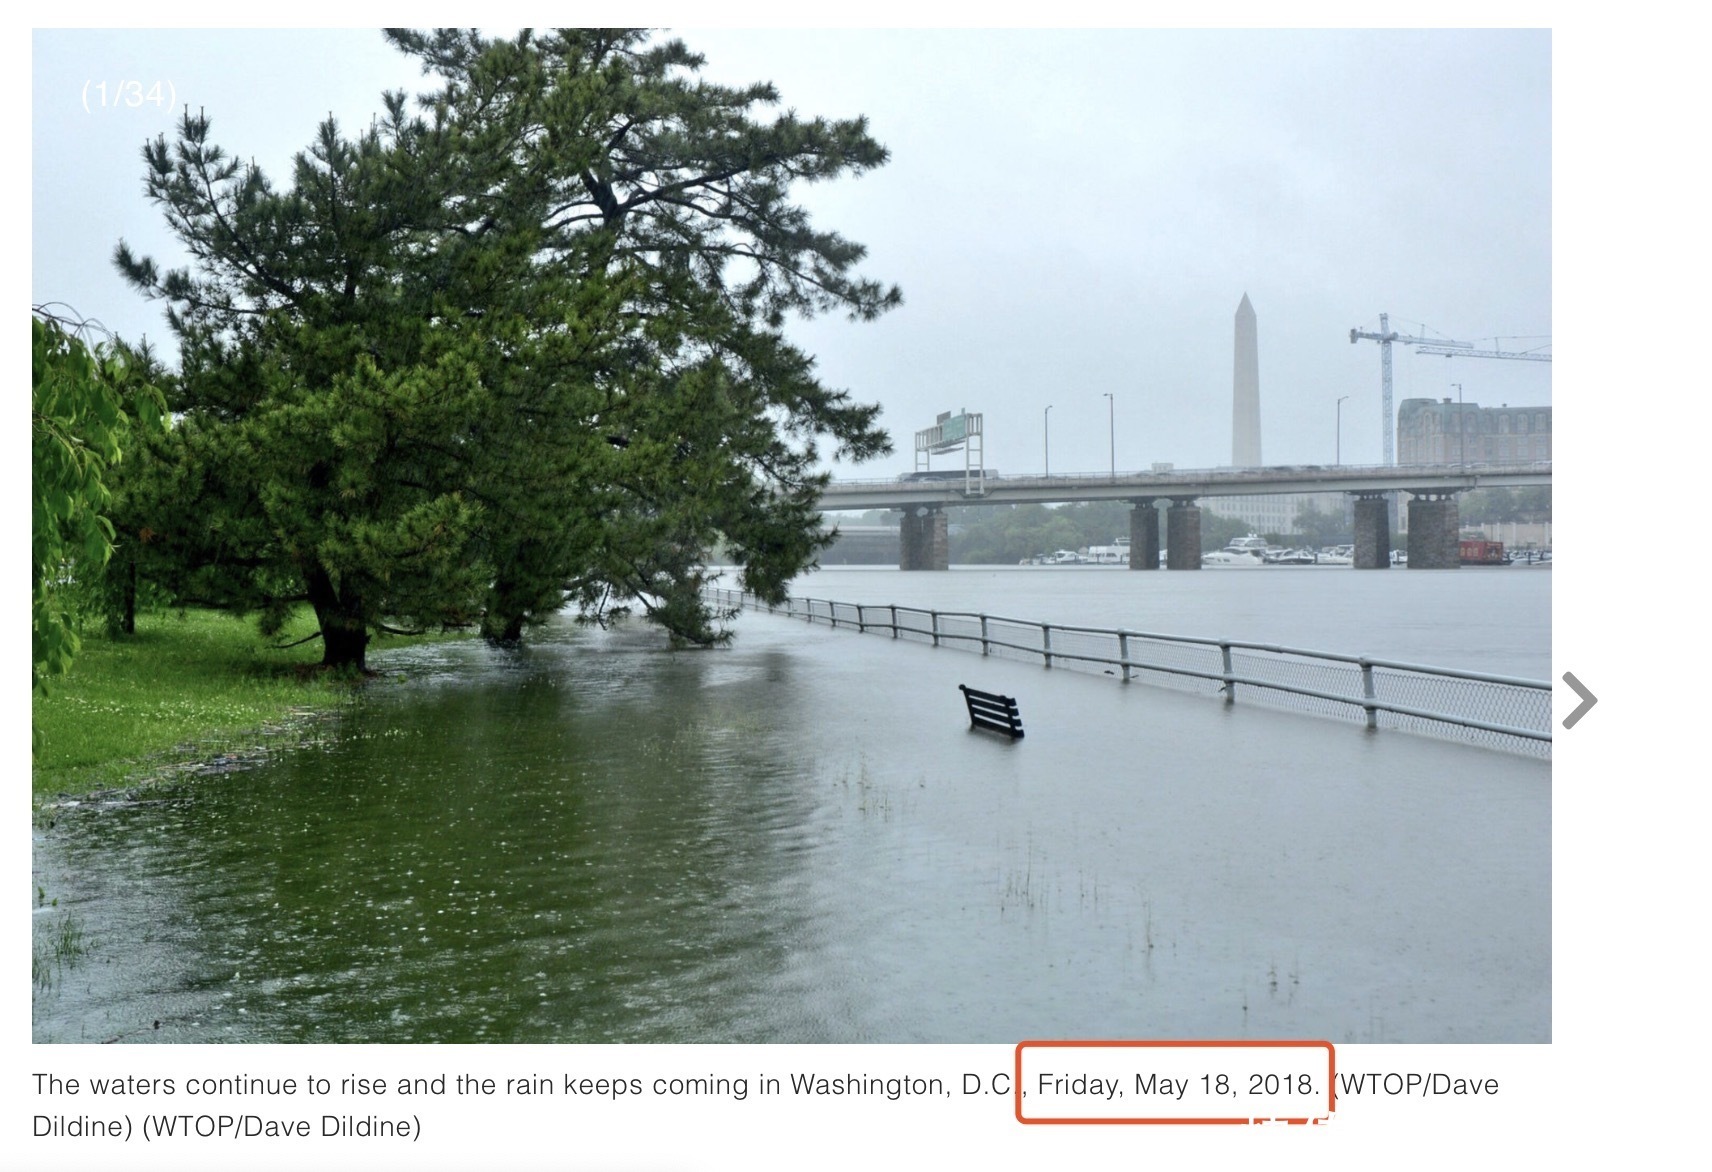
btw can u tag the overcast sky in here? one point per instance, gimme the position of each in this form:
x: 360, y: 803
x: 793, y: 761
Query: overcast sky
x: 1069, y: 214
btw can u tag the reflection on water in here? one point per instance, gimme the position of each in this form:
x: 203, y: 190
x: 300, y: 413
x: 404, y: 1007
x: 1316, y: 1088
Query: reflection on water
x: 798, y: 839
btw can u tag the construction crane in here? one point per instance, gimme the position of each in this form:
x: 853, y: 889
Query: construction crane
x: 1449, y: 349
x: 1446, y: 349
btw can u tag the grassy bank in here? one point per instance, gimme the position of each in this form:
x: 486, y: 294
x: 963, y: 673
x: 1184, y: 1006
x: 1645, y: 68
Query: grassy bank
x: 187, y: 686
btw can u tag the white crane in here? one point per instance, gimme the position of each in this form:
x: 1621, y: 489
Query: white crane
x: 1449, y: 349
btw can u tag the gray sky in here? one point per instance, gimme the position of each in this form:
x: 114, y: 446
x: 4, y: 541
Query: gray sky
x: 1068, y: 213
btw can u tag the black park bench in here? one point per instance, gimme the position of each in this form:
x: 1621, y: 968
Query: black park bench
x: 992, y: 711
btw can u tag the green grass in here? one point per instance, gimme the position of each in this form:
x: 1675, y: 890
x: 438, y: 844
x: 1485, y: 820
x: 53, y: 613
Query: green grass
x: 188, y: 685
x: 54, y: 951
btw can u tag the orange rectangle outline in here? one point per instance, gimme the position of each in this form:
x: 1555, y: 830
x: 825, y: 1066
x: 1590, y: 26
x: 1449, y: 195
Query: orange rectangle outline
x: 1256, y: 1044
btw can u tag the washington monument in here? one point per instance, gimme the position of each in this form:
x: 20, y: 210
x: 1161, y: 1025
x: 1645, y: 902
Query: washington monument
x: 1245, y: 410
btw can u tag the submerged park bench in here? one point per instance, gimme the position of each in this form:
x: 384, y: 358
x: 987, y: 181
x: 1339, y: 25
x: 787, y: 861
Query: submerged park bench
x: 992, y: 711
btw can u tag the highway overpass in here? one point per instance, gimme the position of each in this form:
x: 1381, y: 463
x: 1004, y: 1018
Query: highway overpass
x: 1433, y: 520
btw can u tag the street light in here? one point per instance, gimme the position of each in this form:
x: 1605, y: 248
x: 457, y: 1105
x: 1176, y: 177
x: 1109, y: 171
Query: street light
x: 1048, y: 429
x: 1340, y: 428
x: 1461, y: 431
x: 1111, y: 416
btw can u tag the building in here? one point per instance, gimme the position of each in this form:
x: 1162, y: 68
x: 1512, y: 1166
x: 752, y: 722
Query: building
x: 1276, y: 512
x: 1448, y: 432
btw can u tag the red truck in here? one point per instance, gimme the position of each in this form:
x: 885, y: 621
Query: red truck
x: 1483, y: 553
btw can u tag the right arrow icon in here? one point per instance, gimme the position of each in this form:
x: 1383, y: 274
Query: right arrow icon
x: 1588, y: 700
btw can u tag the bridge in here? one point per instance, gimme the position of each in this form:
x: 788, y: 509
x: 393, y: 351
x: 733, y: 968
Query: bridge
x: 1433, y: 520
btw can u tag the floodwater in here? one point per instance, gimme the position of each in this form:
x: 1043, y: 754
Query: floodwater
x: 1493, y: 619
x: 798, y: 839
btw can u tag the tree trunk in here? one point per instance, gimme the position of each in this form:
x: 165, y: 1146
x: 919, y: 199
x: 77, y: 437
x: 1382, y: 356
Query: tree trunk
x: 528, y: 585
x: 502, y: 623
x: 344, y: 627
x: 128, y: 619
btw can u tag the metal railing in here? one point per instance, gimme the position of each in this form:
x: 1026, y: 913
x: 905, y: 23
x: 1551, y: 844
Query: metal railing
x: 1212, y: 475
x: 1500, y: 712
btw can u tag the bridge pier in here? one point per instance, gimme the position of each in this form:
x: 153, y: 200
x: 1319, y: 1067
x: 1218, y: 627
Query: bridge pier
x: 1143, y: 535
x: 1372, y: 531
x: 1182, y: 535
x: 1434, y: 527
x: 924, y: 539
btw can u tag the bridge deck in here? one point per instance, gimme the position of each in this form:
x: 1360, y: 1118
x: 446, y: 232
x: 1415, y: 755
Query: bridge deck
x: 1207, y: 482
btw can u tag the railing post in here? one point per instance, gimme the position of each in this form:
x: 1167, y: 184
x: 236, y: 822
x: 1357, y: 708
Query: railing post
x: 1262, y: 670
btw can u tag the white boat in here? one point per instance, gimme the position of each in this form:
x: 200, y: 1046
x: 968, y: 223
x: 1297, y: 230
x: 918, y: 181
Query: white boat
x: 1242, y: 551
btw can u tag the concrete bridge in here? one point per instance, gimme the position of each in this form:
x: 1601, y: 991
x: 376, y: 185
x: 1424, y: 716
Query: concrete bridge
x: 1434, y: 524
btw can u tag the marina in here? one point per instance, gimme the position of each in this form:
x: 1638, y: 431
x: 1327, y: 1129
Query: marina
x: 1254, y: 551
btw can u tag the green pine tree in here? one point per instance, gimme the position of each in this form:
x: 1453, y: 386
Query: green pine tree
x: 521, y: 345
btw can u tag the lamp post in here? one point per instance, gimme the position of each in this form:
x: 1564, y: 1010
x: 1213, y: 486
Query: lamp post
x: 1047, y: 425
x: 1111, y: 417
x: 1340, y: 428
x: 1461, y: 431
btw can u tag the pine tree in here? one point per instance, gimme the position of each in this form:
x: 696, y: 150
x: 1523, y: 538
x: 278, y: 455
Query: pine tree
x: 674, y: 187
x: 522, y: 345
x: 323, y: 403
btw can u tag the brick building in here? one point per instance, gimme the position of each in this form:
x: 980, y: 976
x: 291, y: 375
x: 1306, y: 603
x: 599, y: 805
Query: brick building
x: 1448, y: 432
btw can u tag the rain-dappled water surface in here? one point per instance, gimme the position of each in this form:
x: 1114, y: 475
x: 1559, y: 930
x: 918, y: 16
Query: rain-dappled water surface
x: 1486, y: 619
x: 797, y: 838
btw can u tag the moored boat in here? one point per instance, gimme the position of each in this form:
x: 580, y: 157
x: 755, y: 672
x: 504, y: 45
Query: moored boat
x: 1242, y: 551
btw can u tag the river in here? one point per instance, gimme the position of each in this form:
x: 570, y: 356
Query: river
x: 1491, y: 619
x: 797, y: 838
